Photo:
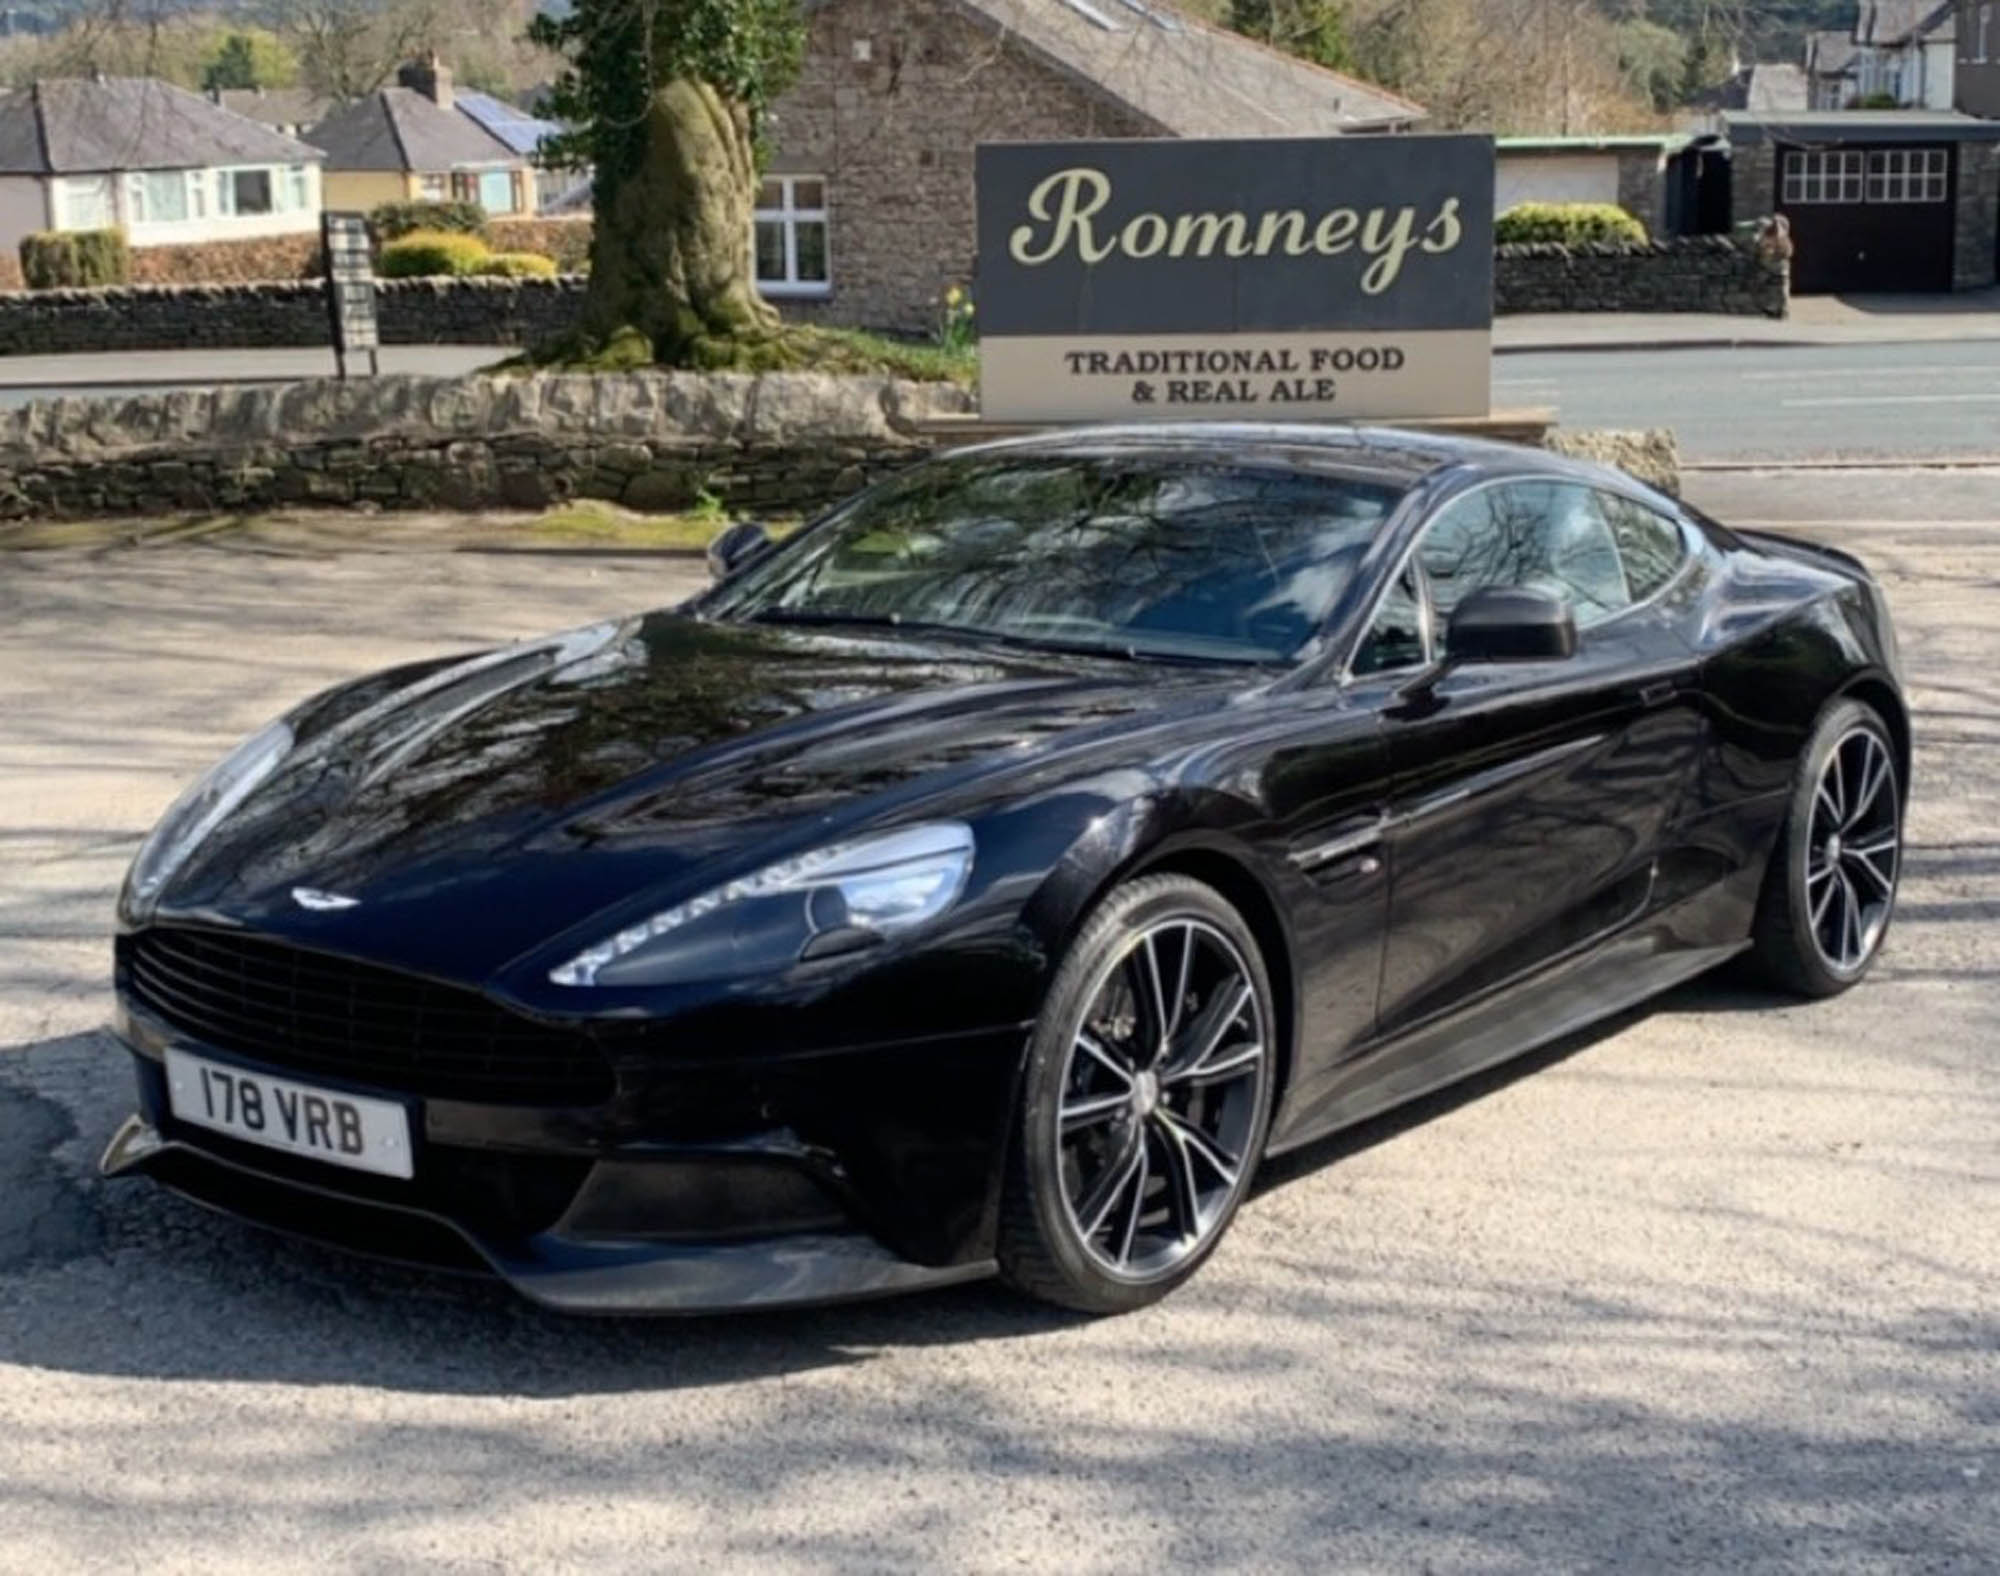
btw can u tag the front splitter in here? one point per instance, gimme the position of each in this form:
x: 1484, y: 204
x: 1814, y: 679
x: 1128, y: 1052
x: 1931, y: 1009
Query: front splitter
x: 800, y: 1270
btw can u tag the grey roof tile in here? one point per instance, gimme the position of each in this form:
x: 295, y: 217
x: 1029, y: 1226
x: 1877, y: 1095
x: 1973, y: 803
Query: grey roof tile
x: 78, y: 125
x: 1189, y: 78
x: 400, y: 129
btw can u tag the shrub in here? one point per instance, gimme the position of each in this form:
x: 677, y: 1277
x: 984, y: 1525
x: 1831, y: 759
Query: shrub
x: 428, y: 253
x: 516, y: 265
x: 394, y: 220
x: 74, y: 259
x: 566, y: 240
x: 1568, y: 224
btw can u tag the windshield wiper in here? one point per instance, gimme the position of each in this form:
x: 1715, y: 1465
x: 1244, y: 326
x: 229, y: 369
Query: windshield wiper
x: 1118, y: 650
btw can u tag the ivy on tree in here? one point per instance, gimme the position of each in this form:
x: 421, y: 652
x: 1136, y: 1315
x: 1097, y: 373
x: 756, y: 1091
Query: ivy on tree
x: 665, y: 97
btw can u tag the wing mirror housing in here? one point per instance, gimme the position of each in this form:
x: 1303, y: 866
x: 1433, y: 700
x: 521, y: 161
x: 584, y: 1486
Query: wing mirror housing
x: 736, y: 547
x: 1510, y: 624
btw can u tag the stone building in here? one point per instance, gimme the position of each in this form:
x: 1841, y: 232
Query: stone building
x: 1886, y: 200
x: 866, y: 212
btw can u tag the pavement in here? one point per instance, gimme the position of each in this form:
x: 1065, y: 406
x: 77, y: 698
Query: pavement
x: 23, y: 378
x: 1715, y: 1286
x: 1814, y: 320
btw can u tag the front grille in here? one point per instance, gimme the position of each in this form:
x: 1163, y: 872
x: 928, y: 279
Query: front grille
x: 311, y: 1013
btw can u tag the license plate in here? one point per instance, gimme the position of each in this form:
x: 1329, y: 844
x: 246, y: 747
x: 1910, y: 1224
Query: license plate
x: 341, y: 1129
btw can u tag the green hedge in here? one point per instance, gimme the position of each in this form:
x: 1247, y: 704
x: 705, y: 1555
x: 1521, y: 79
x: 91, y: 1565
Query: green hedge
x: 517, y: 265
x: 429, y: 253
x: 1568, y: 224
x: 75, y: 259
x: 394, y: 220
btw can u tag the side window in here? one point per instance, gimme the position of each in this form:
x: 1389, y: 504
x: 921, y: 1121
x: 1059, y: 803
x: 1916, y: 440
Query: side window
x: 1544, y: 536
x: 1651, y: 547
x: 1397, y: 637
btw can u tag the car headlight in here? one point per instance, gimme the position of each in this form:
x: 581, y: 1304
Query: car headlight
x: 202, y: 808
x: 832, y: 900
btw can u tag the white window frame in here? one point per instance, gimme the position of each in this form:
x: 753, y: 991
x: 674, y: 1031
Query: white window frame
x: 1812, y: 176
x: 225, y: 189
x: 139, y: 186
x: 63, y: 198
x: 479, y: 180
x: 1909, y: 175
x: 789, y: 215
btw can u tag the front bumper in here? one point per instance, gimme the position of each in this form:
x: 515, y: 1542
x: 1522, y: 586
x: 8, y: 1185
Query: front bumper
x: 618, y: 1210
x: 799, y: 1269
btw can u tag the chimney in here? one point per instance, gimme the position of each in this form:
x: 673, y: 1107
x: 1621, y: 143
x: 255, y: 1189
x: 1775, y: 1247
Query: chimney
x: 430, y: 77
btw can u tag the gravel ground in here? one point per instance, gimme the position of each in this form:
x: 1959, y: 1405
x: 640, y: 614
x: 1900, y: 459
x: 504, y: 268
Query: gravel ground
x: 1715, y: 1286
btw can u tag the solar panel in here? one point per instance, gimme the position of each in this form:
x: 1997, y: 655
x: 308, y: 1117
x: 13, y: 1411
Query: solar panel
x: 519, y: 130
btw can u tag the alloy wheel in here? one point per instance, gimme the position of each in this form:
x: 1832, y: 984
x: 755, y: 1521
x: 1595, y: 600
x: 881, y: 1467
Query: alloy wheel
x: 1161, y: 1090
x: 1853, y: 850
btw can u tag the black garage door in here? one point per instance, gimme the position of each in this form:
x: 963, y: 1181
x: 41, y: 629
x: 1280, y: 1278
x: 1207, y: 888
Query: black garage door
x: 1868, y: 218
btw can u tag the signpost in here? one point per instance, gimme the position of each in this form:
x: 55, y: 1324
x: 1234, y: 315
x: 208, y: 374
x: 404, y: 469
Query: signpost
x: 1268, y: 280
x: 350, y: 287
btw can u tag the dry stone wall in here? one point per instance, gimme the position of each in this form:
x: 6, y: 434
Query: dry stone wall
x: 781, y: 442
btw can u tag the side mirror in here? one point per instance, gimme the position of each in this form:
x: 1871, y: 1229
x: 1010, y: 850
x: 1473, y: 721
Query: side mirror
x: 1510, y: 624
x: 737, y: 546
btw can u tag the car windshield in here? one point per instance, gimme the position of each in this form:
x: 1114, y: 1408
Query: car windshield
x: 1148, y: 557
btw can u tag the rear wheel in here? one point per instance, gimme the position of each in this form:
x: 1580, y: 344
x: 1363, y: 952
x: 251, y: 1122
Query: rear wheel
x: 1148, y: 1094
x: 1831, y: 889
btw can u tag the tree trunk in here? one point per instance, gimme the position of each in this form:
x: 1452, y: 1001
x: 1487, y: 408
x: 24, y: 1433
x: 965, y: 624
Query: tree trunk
x: 672, y: 257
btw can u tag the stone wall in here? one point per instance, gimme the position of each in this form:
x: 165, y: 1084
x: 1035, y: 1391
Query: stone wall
x: 1973, y: 249
x: 891, y: 100
x: 248, y: 316
x: 782, y: 442
x: 1696, y: 273
x: 1753, y: 182
x: 653, y: 441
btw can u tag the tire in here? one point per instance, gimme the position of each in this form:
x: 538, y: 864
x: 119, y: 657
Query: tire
x: 1831, y: 887
x: 1144, y: 1108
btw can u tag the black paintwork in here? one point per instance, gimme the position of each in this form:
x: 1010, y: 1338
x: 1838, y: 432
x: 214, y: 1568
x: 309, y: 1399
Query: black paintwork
x: 1445, y: 868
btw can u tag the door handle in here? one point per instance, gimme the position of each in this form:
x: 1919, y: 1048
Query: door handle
x: 1657, y: 694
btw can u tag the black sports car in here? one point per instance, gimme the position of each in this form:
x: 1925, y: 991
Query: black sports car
x: 989, y: 875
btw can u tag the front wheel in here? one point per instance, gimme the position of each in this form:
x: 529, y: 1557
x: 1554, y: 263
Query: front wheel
x: 1832, y: 883
x: 1147, y: 1097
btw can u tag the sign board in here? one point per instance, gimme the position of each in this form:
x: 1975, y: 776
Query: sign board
x: 1269, y: 280
x: 350, y: 285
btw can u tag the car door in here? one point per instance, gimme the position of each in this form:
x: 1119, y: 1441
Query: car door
x: 1528, y: 799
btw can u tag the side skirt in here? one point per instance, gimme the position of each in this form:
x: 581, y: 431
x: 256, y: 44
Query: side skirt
x: 1618, y: 974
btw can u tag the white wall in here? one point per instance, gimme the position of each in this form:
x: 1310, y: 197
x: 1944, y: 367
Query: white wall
x: 1939, y: 63
x: 1558, y: 177
x: 24, y: 208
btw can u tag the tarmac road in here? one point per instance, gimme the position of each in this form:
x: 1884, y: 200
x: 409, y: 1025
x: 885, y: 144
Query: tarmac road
x: 1715, y: 1287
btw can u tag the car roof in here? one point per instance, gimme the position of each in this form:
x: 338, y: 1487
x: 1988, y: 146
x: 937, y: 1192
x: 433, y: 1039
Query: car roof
x: 1392, y: 456
x: 1379, y: 453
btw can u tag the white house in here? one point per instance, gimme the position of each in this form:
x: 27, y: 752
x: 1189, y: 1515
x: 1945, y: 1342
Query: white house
x: 1904, y: 50
x: 164, y: 165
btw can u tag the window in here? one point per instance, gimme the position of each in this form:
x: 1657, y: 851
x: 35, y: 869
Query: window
x: 1650, y: 546
x: 1982, y: 49
x: 434, y: 188
x: 85, y: 202
x: 1159, y: 557
x: 1400, y: 635
x: 245, y: 192
x: 197, y: 194
x: 156, y: 197
x: 1907, y: 175
x: 496, y: 191
x: 298, y: 188
x: 1543, y: 536
x: 790, y: 236
x: 1823, y: 177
